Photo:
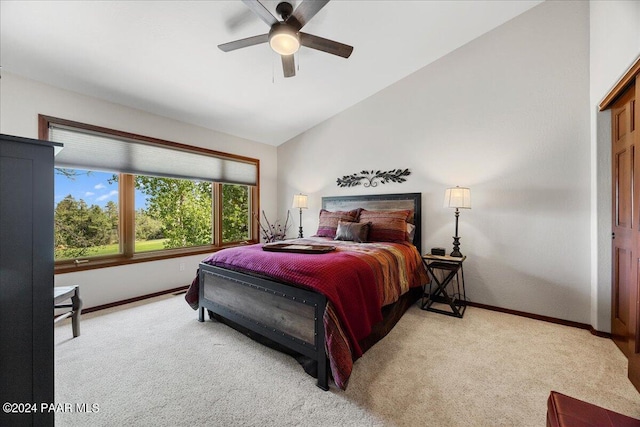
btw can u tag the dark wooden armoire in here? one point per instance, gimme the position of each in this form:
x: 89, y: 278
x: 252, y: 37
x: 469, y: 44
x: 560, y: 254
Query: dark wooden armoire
x: 26, y: 280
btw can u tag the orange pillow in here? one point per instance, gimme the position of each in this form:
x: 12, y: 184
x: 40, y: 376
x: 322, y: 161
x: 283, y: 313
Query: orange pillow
x: 386, y: 226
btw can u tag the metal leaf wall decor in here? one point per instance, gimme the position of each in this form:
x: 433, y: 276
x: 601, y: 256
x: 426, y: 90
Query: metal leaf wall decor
x: 372, y: 177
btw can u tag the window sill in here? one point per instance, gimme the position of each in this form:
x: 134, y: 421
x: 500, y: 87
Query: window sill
x: 71, y: 266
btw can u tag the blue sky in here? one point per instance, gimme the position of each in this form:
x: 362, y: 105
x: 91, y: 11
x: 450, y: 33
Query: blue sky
x: 93, y: 188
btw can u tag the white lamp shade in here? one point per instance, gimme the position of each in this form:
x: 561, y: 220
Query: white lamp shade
x: 457, y: 197
x: 299, y: 201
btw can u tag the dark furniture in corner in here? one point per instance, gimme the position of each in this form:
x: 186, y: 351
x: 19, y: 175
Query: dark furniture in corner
x: 567, y: 411
x: 26, y: 278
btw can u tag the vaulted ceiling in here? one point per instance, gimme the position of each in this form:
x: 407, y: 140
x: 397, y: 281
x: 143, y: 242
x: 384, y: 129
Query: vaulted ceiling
x: 162, y: 56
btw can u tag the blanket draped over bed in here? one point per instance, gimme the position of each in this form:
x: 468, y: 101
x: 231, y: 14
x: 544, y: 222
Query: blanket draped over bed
x: 358, y: 279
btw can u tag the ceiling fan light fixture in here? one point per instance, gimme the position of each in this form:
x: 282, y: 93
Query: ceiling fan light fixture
x: 284, y: 40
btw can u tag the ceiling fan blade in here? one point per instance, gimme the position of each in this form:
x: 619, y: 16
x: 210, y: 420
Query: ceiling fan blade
x: 240, y: 19
x: 239, y: 44
x: 325, y: 45
x: 305, y: 11
x: 288, y: 65
x: 259, y: 9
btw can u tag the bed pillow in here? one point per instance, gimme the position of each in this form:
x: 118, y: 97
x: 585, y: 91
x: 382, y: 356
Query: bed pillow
x: 355, y: 231
x: 386, y: 226
x: 329, y: 221
x: 411, y: 232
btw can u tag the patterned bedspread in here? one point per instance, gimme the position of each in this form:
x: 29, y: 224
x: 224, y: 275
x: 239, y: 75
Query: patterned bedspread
x: 358, y: 279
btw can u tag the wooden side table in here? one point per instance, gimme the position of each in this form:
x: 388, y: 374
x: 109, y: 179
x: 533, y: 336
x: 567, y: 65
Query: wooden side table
x: 60, y: 295
x: 450, y: 268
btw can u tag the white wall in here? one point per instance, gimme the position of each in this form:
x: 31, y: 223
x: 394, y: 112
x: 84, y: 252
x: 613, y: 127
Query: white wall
x: 615, y: 44
x: 21, y: 100
x: 507, y: 115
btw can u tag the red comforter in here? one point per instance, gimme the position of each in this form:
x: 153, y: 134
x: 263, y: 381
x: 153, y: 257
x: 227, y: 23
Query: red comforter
x: 357, y: 279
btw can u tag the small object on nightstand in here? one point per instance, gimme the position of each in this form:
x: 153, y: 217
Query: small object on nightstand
x: 450, y: 268
x: 437, y: 251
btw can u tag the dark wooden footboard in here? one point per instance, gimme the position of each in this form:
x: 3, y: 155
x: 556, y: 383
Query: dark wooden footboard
x: 290, y: 316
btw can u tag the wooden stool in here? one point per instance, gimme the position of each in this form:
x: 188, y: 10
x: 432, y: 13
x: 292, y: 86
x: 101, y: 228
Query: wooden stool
x: 63, y: 293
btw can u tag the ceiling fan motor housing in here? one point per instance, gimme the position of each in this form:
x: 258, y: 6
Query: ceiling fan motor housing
x: 284, y: 9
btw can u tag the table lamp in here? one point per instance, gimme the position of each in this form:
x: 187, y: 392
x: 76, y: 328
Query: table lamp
x: 458, y: 198
x: 300, y: 202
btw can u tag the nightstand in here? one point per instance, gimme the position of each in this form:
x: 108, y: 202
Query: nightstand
x: 442, y: 270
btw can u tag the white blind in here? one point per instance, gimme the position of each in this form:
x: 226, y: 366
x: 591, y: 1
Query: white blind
x: 97, y: 151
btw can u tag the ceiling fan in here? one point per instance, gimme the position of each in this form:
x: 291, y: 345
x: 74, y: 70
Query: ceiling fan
x: 285, y: 37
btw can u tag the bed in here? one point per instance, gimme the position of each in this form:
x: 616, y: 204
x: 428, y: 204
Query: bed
x: 326, y: 308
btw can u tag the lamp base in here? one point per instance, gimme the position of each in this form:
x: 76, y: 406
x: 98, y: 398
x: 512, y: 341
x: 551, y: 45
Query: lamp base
x: 300, y: 236
x: 456, y: 247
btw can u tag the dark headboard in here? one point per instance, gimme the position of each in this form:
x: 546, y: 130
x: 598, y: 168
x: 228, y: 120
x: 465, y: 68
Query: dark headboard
x: 381, y: 202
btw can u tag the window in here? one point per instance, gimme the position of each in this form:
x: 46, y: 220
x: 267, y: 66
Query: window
x: 123, y: 198
x: 86, y: 218
x: 236, y: 220
x: 176, y: 213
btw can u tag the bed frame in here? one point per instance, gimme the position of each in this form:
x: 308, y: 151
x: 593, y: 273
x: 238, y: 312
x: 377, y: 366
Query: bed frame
x: 285, y: 314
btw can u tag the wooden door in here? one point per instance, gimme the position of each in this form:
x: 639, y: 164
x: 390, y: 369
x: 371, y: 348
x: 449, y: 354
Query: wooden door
x: 625, y: 218
x: 634, y: 294
x: 625, y: 303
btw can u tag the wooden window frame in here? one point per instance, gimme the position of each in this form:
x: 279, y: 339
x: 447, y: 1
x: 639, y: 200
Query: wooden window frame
x: 126, y: 196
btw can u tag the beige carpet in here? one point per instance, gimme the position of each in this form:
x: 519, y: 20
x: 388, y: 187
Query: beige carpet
x: 154, y: 364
